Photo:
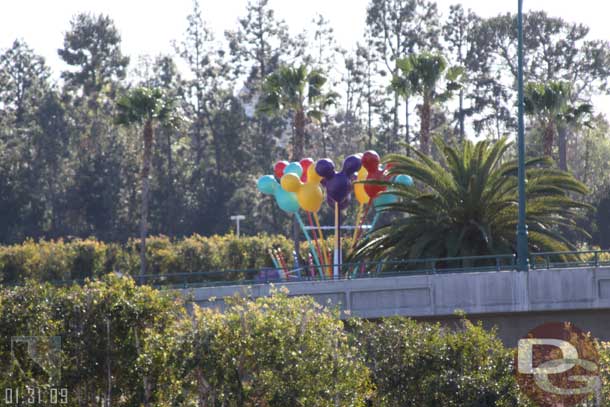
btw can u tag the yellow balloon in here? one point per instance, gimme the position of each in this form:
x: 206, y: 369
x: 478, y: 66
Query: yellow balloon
x: 312, y: 175
x: 309, y: 195
x: 291, y: 182
x: 359, y: 191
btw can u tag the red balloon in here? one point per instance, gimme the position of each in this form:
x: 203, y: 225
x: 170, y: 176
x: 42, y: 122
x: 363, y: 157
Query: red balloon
x: 278, y: 168
x: 370, y: 161
x: 305, y: 163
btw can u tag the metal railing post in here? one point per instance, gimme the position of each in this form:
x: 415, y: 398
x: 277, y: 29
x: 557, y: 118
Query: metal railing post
x: 596, y: 259
x: 378, y: 268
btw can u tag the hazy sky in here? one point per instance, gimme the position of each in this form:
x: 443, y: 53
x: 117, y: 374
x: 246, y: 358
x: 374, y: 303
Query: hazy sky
x: 148, y: 27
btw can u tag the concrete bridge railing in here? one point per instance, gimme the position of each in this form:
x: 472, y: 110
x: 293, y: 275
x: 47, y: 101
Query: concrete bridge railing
x: 486, y: 295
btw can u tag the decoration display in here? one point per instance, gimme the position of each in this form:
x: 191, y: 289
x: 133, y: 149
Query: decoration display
x: 304, y: 185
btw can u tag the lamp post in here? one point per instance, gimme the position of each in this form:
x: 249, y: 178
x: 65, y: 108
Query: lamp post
x: 238, y: 218
x: 522, y: 250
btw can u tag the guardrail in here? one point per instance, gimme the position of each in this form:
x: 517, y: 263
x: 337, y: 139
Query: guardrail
x: 390, y: 268
x: 347, y: 271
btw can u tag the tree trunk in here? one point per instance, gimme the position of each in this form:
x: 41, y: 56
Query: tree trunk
x: 369, y: 109
x: 145, y: 379
x: 547, y: 142
x: 396, y: 124
x: 171, y: 202
x: 146, y: 158
x: 424, y: 133
x: 461, y: 116
x: 299, y: 135
x: 562, y: 140
x: 407, y: 130
x: 297, y: 154
x: 108, y: 366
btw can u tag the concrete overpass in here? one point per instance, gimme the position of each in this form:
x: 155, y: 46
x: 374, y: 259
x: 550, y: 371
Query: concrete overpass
x: 513, y: 301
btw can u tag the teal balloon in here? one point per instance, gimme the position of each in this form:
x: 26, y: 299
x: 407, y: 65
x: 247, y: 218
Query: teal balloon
x: 294, y: 168
x: 388, y: 198
x: 404, y: 180
x: 384, y: 199
x: 267, y: 184
x: 287, y: 201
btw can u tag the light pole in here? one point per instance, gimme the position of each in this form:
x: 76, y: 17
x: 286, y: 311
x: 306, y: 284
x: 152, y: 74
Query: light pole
x: 238, y: 218
x: 522, y: 251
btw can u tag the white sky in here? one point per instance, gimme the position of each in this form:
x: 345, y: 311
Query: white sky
x: 148, y: 27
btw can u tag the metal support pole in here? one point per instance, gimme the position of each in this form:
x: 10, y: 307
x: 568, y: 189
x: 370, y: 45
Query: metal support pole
x: 238, y: 218
x: 522, y: 249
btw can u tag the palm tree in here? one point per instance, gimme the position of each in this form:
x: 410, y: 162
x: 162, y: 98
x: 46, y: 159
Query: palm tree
x: 299, y: 92
x: 144, y: 106
x: 467, y: 205
x: 421, y: 74
x: 547, y: 102
x: 573, y: 118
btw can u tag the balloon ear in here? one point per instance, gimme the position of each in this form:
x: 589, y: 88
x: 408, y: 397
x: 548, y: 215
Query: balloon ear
x: 312, y: 175
x: 370, y: 160
x: 278, y: 168
x: 267, y: 184
x: 325, y: 168
x: 294, y: 168
x: 362, y: 173
x: 351, y: 165
x: 291, y: 182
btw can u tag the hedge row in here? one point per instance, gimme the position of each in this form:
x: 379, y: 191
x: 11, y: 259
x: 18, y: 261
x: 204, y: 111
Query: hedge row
x: 78, y: 259
x: 128, y: 345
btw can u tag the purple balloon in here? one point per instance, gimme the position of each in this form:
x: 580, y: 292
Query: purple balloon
x: 342, y: 205
x: 338, y: 184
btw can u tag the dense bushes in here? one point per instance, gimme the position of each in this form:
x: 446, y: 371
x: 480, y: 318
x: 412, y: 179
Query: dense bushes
x: 417, y: 364
x: 78, y: 259
x: 128, y: 345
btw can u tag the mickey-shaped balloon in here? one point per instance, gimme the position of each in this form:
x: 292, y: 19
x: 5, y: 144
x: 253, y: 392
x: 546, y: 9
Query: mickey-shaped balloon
x: 305, y: 164
x: 388, y: 198
x: 370, y: 161
x: 309, y: 194
x: 338, y: 184
x: 359, y: 190
x: 344, y: 204
x: 287, y: 201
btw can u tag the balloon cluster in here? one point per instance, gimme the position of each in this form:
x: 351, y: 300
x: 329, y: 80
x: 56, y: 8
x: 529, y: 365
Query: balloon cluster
x: 302, y: 184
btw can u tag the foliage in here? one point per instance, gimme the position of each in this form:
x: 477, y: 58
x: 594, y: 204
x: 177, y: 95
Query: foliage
x: 420, y: 74
x: 300, y: 92
x: 102, y: 327
x: 272, y: 351
x: 68, y: 170
x: 423, y: 364
x: 126, y: 345
x: 466, y: 205
x: 79, y: 259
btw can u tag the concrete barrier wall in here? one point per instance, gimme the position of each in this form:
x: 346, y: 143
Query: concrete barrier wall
x: 443, y: 294
x: 500, y: 298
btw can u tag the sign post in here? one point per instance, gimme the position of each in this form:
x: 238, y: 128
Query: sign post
x: 238, y: 218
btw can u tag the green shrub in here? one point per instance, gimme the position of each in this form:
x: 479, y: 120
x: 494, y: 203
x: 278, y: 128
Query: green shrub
x: 274, y: 351
x: 421, y: 364
x: 89, y: 258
